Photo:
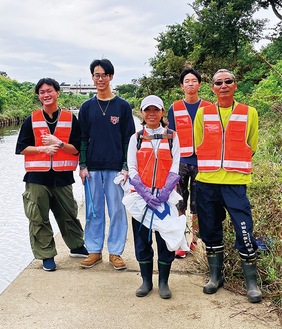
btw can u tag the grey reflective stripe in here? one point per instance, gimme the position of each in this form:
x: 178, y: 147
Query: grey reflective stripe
x: 179, y: 113
x: 237, y: 164
x: 34, y: 164
x: 64, y: 124
x: 239, y: 117
x: 63, y: 163
x: 38, y: 124
x: 186, y: 149
x: 211, y: 117
x: 209, y: 163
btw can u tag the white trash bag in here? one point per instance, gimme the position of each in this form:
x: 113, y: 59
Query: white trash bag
x: 166, y: 219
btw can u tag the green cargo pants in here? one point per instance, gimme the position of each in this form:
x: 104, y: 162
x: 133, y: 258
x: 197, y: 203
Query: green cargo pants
x: 38, y: 201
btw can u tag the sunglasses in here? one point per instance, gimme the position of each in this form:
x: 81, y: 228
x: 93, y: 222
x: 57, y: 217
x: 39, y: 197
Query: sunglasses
x: 227, y: 82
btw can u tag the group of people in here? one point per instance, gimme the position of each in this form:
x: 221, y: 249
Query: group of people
x: 205, y: 152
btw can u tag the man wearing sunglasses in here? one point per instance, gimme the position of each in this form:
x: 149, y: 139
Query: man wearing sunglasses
x: 226, y: 138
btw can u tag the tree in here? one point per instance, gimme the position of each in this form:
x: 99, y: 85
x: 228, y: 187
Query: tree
x: 215, y: 36
x: 222, y: 28
x: 177, y: 38
x: 126, y: 88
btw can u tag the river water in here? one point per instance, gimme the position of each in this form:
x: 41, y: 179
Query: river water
x: 15, y: 251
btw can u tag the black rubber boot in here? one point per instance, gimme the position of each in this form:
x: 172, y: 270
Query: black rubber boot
x: 215, y: 261
x: 250, y: 274
x: 146, y: 269
x: 164, y: 271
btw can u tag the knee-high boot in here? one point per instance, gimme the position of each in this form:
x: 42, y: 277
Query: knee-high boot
x: 146, y: 269
x: 215, y: 260
x: 164, y: 271
x: 250, y: 274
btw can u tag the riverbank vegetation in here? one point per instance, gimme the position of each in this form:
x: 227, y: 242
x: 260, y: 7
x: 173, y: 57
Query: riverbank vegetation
x: 18, y: 100
x: 220, y: 34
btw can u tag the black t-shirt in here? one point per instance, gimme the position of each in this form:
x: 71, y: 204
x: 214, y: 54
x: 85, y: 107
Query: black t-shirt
x: 26, y: 138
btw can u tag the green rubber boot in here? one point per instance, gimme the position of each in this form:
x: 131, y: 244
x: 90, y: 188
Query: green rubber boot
x: 164, y: 271
x: 146, y: 269
x: 215, y: 261
x: 250, y: 274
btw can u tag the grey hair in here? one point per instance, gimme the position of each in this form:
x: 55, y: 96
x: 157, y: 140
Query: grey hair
x: 221, y: 71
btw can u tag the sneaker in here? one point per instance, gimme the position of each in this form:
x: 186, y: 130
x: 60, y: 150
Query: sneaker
x: 79, y: 252
x: 180, y: 253
x: 193, y: 245
x: 49, y: 264
x: 91, y: 260
x: 117, y: 262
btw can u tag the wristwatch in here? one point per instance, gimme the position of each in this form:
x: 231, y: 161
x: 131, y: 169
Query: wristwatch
x: 61, y: 144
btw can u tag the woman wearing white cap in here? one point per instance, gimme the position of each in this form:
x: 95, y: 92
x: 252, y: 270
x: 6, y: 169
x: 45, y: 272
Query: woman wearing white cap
x: 153, y: 164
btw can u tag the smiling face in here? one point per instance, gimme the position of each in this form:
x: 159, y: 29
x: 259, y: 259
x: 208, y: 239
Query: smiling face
x: 100, y: 79
x: 224, y: 88
x: 48, y: 96
x: 152, y: 116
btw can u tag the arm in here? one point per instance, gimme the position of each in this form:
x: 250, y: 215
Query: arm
x: 128, y: 129
x: 173, y: 177
x: 73, y: 144
x: 252, y: 133
x: 51, y: 144
x: 83, y: 171
x: 170, y: 118
x: 145, y: 192
x: 135, y: 179
x: 26, y: 141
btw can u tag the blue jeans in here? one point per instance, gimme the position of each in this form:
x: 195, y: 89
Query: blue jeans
x: 104, y: 189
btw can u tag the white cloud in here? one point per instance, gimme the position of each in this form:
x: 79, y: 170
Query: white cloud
x: 59, y: 39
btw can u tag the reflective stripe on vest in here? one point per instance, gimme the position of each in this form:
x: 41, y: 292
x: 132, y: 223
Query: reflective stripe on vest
x: 153, y: 170
x: 60, y: 161
x: 229, y: 149
x: 184, y: 127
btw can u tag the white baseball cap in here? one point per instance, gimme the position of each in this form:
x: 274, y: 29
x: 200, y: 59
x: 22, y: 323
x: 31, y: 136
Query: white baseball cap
x: 152, y: 100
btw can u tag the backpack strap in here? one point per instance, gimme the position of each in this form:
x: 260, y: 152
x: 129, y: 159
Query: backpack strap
x: 139, y: 138
x: 168, y: 135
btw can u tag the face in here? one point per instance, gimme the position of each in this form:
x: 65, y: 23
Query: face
x: 190, y: 84
x: 48, y: 95
x: 100, y: 79
x: 152, y: 116
x: 225, y: 90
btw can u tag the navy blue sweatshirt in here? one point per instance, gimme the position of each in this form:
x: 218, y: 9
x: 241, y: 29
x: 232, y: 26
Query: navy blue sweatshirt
x: 105, y: 133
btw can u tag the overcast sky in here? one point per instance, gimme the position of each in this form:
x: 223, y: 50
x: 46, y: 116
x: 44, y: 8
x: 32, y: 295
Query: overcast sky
x: 59, y: 39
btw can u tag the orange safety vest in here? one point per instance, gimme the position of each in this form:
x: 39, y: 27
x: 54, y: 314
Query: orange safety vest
x: 60, y: 161
x: 153, y: 169
x: 225, y: 149
x: 184, y: 127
